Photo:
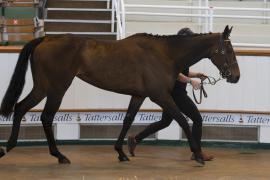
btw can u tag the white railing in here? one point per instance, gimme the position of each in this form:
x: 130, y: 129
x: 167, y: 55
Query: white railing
x: 208, y: 15
x: 118, y: 11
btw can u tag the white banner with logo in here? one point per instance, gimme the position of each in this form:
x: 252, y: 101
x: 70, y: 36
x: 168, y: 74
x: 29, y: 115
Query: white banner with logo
x: 142, y: 118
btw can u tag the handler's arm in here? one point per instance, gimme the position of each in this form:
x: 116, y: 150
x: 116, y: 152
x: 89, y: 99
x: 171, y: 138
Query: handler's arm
x: 196, y: 74
x: 184, y: 79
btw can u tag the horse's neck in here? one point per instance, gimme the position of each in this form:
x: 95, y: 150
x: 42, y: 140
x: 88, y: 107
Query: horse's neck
x: 193, y: 49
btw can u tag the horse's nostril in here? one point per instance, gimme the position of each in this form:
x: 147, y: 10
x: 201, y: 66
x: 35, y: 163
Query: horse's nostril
x: 237, y: 79
x: 233, y: 79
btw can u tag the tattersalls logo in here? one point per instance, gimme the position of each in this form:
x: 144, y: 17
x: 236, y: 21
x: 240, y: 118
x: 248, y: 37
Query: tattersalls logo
x: 104, y: 117
x: 59, y: 117
x: 218, y: 118
x: 118, y: 117
x: 6, y: 120
x: 23, y: 119
x: 141, y: 118
x: 64, y: 117
x: 241, y: 119
x: 255, y: 119
x: 78, y: 118
x: 149, y: 117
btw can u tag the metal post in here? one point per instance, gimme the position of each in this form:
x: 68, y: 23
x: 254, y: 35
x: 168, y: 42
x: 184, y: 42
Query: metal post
x: 206, y: 27
x: 211, y: 13
x: 112, y: 18
x: 265, y: 13
x: 119, y: 26
x: 200, y: 13
x: 123, y: 19
x: 206, y: 3
x: 108, y: 4
x: 117, y: 34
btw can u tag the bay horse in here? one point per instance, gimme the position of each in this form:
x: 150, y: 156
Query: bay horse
x: 142, y: 65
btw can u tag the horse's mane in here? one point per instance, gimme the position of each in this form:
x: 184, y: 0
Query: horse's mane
x: 182, y: 33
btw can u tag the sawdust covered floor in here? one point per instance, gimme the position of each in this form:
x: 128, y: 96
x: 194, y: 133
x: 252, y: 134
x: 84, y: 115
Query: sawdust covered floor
x: 151, y: 162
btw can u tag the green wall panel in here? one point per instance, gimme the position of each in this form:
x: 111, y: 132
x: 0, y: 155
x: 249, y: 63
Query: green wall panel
x: 19, y: 12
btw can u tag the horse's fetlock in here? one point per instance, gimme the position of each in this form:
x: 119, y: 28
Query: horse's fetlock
x: 3, y: 151
x: 55, y: 153
x: 10, y: 146
x: 117, y: 147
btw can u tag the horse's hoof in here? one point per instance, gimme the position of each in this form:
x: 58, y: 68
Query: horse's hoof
x: 200, y: 160
x: 64, y: 161
x: 123, y: 158
x: 2, y: 152
x: 205, y: 157
x: 131, y: 145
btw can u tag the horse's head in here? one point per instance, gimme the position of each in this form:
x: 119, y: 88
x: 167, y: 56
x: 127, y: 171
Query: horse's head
x: 223, y: 56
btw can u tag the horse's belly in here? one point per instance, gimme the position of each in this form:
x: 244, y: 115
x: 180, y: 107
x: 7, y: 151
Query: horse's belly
x: 122, y: 85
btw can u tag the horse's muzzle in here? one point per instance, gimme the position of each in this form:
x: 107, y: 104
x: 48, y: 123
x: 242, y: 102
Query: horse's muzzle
x: 233, y: 79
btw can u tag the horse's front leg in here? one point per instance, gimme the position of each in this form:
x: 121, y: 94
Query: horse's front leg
x: 167, y: 103
x: 134, y: 106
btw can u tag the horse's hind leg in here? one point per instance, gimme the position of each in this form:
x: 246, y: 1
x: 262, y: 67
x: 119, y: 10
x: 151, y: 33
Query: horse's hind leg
x: 52, y: 105
x: 20, y: 109
x: 134, y: 106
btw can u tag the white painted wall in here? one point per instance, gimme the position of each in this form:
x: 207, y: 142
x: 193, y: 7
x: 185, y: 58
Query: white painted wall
x: 251, y: 93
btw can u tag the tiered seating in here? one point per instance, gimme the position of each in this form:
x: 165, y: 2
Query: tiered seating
x: 17, y: 31
x: 89, y: 18
x: 20, y: 3
x: 18, y: 23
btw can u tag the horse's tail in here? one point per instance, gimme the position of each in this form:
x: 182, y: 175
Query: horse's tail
x: 18, y: 78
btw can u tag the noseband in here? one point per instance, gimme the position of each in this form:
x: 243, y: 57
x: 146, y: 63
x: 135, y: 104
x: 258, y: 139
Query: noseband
x: 224, y: 72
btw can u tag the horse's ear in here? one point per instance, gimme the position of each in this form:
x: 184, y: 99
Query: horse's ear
x: 227, y: 32
x: 230, y: 30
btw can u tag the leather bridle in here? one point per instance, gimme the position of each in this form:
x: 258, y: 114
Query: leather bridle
x: 211, y: 81
x: 225, y: 71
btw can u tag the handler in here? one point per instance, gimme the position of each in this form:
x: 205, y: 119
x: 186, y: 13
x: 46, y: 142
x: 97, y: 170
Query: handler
x: 184, y: 103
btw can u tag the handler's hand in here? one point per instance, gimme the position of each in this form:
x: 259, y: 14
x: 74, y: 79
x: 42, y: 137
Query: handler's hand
x: 201, y: 75
x: 195, y: 84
